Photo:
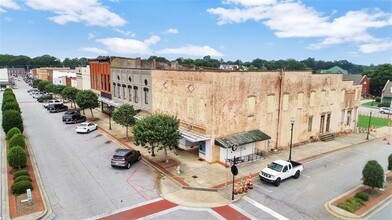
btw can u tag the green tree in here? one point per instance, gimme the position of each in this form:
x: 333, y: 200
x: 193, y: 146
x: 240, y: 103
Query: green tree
x: 70, y: 93
x: 378, y: 78
x: 17, y: 140
x: 157, y: 132
x: 124, y: 115
x: 36, y: 82
x: 50, y: 88
x: 12, y: 132
x: 87, y: 99
x: 12, y: 118
x: 10, y: 106
x: 41, y: 85
x: 390, y: 162
x: 59, y: 90
x: 373, y: 174
x: 17, y: 157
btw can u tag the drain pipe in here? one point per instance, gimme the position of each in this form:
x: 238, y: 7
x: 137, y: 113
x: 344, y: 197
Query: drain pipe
x: 279, y: 109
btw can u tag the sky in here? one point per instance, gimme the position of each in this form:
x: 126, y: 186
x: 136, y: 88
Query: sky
x: 359, y: 31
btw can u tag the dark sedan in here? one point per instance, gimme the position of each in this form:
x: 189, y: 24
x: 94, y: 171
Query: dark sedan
x: 125, y: 158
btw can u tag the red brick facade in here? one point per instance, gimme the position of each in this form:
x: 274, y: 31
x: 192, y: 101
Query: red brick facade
x: 100, y: 75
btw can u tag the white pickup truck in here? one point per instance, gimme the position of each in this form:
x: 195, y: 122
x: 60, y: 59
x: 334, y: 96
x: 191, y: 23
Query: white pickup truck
x: 280, y: 170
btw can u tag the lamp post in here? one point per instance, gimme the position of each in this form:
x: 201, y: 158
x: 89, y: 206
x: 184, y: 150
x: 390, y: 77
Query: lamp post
x: 110, y: 117
x: 291, y: 138
x: 370, y: 119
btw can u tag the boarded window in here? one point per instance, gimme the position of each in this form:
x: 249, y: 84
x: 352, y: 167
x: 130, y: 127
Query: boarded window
x: 332, y: 97
x: 202, y: 111
x: 342, y: 116
x: 323, y: 97
x: 310, y: 123
x: 285, y: 102
x: 356, y: 95
x: 189, y: 107
x: 300, y: 100
x: 176, y: 104
x: 312, y: 98
x: 251, y: 106
x: 342, y: 94
x: 270, y: 103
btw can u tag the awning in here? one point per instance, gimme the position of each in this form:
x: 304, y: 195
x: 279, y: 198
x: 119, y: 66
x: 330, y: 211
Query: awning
x: 192, y: 136
x: 109, y: 102
x: 242, y: 138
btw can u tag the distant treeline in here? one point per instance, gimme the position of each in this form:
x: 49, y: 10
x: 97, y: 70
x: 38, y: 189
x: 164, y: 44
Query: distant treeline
x: 26, y: 62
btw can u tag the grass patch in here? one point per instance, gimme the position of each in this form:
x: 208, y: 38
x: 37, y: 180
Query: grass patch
x: 363, y: 121
x: 369, y: 104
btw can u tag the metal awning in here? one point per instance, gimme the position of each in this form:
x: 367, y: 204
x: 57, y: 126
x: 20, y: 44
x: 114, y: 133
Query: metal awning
x: 192, y: 136
x: 109, y: 102
x: 242, y: 138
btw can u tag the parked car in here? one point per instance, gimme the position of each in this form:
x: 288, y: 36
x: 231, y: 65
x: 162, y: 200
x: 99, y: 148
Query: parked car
x: 279, y: 170
x: 74, y: 117
x: 385, y: 110
x: 86, y: 127
x: 44, y: 97
x: 57, y: 108
x: 36, y: 95
x: 2, y: 89
x: 53, y: 101
x: 32, y: 90
x: 125, y: 158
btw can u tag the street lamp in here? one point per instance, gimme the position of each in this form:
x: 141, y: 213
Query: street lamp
x: 370, y: 118
x: 291, y: 139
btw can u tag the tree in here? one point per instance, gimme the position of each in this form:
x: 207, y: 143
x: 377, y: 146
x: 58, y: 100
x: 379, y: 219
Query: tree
x: 10, y: 106
x: 373, y: 174
x: 17, y: 140
x: 50, y: 88
x: 17, y: 157
x: 390, y: 162
x: 87, y: 99
x: 59, y: 90
x: 124, y: 115
x: 378, y: 78
x: 12, y: 132
x: 70, y: 93
x: 36, y: 82
x: 12, y: 118
x: 42, y: 84
x: 157, y: 132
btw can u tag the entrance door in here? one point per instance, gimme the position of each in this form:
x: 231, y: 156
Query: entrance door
x: 328, y: 122
x: 322, y: 120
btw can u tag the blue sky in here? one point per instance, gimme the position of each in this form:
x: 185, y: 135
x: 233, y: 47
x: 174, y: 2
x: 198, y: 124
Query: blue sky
x: 359, y: 31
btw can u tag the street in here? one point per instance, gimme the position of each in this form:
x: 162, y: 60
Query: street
x: 75, y: 168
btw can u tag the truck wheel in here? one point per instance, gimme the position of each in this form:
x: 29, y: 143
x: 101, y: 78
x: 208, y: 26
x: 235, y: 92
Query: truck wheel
x: 296, y: 176
x: 277, y: 182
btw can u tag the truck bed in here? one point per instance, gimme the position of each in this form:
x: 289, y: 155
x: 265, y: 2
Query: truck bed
x: 295, y: 164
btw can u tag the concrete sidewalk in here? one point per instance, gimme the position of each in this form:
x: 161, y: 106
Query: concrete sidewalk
x: 212, y: 182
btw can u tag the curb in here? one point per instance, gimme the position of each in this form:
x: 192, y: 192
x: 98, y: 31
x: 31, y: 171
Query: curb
x: 5, y: 212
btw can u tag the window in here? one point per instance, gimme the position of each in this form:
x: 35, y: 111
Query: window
x: 145, y: 95
x: 270, y: 103
x: 342, y: 94
x: 356, y: 95
x: 118, y: 91
x: 114, y: 89
x: 342, y: 116
x: 189, y: 108
x: 285, y: 169
x: 323, y: 97
x: 312, y: 97
x: 251, y: 106
x: 130, y: 93
x: 285, y: 104
x: 348, y: 118
x: 135, y: 88
x: 124, y: 92
x: 310, y: 123
x: 300, y: 100
x: 332, y: 96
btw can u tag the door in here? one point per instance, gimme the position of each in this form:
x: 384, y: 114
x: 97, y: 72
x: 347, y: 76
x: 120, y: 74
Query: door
x: 328, y: 122
x: 322, y: 120
x: 285, y: 172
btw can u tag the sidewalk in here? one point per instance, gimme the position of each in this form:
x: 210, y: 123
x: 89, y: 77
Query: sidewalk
x: 212, y: 182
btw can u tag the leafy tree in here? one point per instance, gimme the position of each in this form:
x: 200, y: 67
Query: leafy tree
x: 41, y: 85
x: 17, y: 140
x: 10, y: 106
x: 12, y: 118
x: 50, y: 88
x: 87, y: 99
x: 124, y: 115
x: 373, y: 174
x: 59, y: 90
x: 70, y: 93
x: 36, y: 82
x: 390, y: 162
x: 46, y: 60
x: 157, y: 132
x: 12, y: 132
x: 17, y: 157
x: 159, y: 59
x: 378, y: 78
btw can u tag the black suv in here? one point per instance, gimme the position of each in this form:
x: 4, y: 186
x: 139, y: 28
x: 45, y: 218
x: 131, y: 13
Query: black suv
x: 73, y: 117
x: 57, y: 108
x: 125, y: 157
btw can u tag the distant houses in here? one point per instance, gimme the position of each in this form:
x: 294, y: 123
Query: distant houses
x: 386, y: 94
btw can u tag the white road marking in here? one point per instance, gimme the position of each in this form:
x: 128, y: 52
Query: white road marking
x: 254, y: 185
x: 167, y: 211
x: 240, y: 210
x: 265, y: 209
x: 334, y: 162
x: 307, y: 177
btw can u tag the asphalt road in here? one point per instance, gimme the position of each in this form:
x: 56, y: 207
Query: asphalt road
x: 75, y: 168
x: 383, y: 214
x: 322, y: 180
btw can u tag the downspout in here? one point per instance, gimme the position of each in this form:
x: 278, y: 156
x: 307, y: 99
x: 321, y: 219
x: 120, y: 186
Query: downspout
x: 279, y: 109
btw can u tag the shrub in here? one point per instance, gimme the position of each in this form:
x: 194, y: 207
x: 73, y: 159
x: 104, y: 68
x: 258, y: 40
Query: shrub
x: 7, y: 99
x: 17, y: 157
x: 362, y: 196
x: 10, y: 106
x: 351, y: 204
x: 21, y: 178
x: 346, y: 206
x: 12, y: 118
x: 20, y: 187
x: 384, y: 104
x: 373, y: 174
x: 17, y: 140
x: 12, y: 132
x: 21, y: 173
x: 377, y: 99
x: 390, y: 162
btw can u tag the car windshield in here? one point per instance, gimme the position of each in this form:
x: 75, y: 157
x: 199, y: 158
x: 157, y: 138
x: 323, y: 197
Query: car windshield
x: 83, y: 125
x: 275, y: 166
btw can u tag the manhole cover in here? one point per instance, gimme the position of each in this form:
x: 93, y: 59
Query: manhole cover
x: 194, y: 177
x: 108, y: 142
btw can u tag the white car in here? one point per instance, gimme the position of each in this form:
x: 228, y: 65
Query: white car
x: 46, y: 104
x: 86, y: 127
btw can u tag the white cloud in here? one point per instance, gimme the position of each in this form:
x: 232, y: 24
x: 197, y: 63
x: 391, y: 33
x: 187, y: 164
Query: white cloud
x: 172, y: 31
x: 126, y: 33
x: 114, y: 0
x: 91, y: 35
x: 192, y: 50
x: 129, y: 46
x: 294, y: 19
x: 10, y: 4
x: 91, y: 12
x: 378, y: 45
x: 93, y: 50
